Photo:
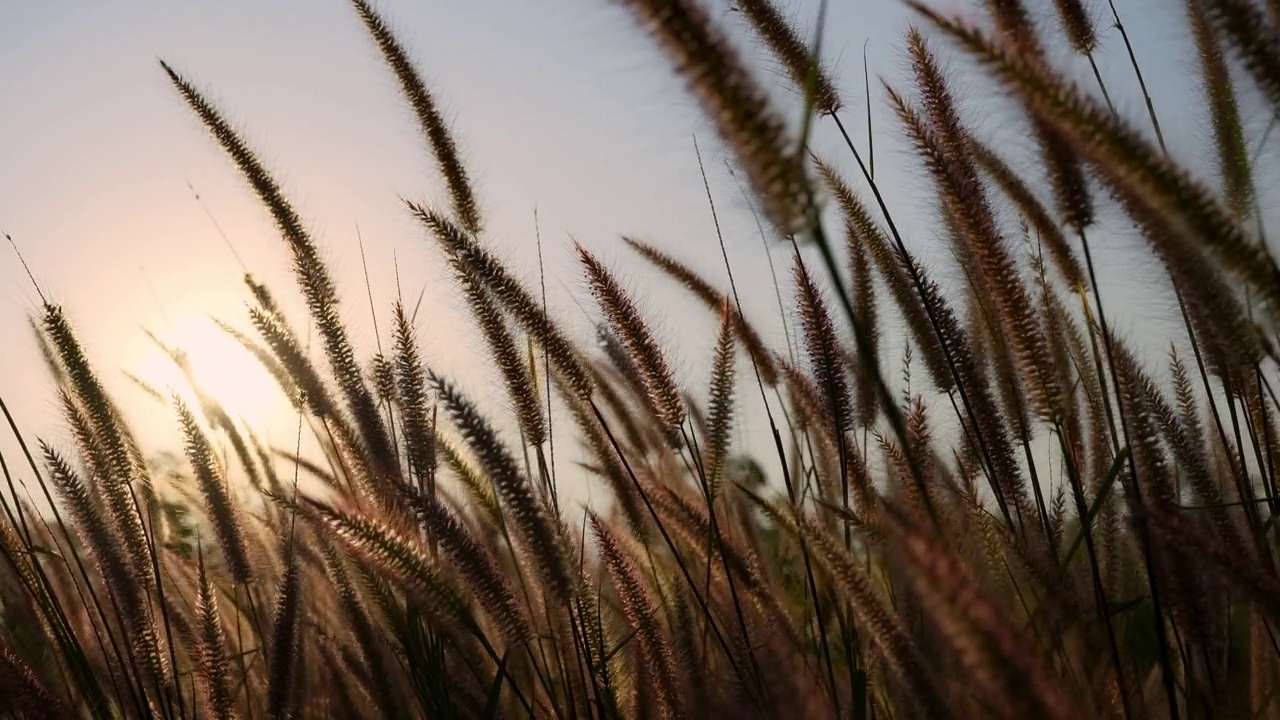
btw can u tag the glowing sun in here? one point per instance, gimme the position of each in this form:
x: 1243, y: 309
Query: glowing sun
x: 217, y: 364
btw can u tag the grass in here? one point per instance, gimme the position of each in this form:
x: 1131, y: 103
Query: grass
x: 921, y: 554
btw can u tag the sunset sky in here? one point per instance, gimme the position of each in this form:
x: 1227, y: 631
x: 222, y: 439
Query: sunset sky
x: 563, y: 106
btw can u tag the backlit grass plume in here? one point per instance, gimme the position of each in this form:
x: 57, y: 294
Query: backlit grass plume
x: 641, y: 346
x: 313, y: 277
x: 1128, y: 164
x: 709, y: 296
x: 731, y: 97
x: 774, y: 30
x: 529, y: 513
x: 429, y: 118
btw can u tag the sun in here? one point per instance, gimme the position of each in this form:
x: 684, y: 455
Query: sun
x: 218, y: 365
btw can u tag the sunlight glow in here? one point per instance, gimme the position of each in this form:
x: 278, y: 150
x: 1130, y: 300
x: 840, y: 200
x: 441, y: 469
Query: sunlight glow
x: 219, y: 366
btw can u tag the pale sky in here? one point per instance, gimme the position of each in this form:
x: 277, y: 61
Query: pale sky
x: 560, y: 105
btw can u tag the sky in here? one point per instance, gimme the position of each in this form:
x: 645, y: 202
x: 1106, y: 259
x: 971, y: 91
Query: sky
x: 564, y: 107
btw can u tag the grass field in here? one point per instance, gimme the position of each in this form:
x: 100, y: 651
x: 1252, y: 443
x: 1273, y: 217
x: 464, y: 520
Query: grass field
x: 1016, y: 517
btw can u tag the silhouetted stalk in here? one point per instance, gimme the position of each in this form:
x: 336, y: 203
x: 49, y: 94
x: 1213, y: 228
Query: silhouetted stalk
x: 811, y: 583
x: 47, y: 599
x: 546, y: 365
x: 890, y: 406
x: 1101, y: 602
x: 1243, y: 484
x: 123, y: 657
x: 675, y: 553
x: 1166, y: 667
x: 870, y: 363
